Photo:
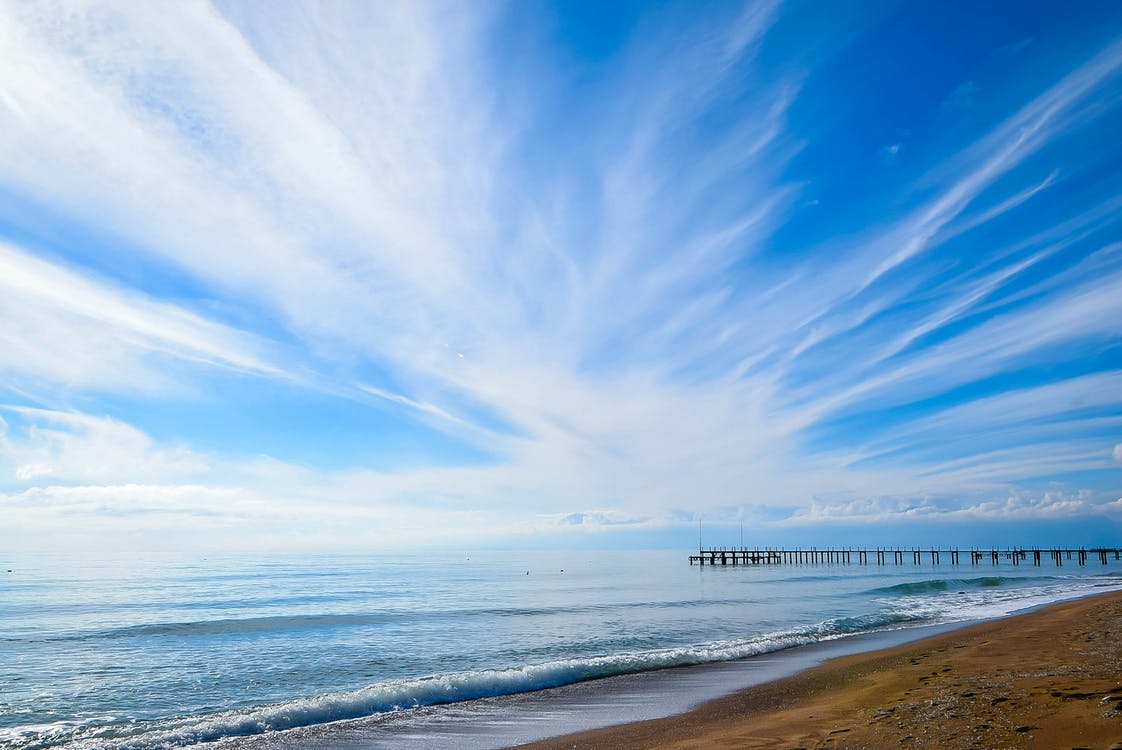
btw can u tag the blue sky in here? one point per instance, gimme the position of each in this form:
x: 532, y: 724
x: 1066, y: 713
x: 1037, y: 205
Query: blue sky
x: 375, y: 274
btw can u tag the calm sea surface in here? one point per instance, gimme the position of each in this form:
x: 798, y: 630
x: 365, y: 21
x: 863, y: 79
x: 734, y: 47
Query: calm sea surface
x: 158, y: 653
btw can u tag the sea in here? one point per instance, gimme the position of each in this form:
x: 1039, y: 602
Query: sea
x: 480, y: 649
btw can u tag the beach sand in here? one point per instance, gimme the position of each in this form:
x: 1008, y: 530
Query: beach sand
x: 1047, y: 679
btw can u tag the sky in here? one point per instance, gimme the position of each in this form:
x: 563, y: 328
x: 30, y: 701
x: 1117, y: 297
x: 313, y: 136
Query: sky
x: 378, y: 275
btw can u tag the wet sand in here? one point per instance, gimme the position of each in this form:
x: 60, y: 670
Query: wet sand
x: 1048, y: 679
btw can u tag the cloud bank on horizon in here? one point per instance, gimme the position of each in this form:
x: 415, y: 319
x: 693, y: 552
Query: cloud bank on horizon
x: 479, y: 271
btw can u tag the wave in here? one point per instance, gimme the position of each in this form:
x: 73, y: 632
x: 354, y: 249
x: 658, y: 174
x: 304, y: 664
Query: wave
x: 385, y: 697
x: 223, y: 626
x: 938, y: 585
x: 278, y: 623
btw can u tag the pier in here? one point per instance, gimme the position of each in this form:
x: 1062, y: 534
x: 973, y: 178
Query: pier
x: 905, y: 555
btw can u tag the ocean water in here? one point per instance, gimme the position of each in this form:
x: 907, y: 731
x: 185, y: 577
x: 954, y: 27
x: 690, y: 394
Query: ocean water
x: 145, y: 653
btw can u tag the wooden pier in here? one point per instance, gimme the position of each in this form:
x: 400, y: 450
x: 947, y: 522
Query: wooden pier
x: 904, y: 555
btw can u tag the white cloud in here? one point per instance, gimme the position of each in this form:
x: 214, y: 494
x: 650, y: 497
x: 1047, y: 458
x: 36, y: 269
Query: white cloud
x: 890, y: 152
x: 29, y: 472
x: 76, y: 447
x: 960, y: 181
x: 1057, y: 412
x: 92, y: 481
x: 1013, y: 505
x: 1117, y: 453
x: 626, y: 362
x: 963, y: 97
x: 598, y: 519
x: 66, y: 327
x: 285, y: 210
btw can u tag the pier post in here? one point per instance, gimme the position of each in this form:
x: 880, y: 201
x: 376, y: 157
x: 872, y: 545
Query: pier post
x: 844, y: 555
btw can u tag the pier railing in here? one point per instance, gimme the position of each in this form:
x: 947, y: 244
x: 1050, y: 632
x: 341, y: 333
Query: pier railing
x: 903, y: 555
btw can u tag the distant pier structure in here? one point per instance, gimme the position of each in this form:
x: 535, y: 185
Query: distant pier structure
x: 904, y: 555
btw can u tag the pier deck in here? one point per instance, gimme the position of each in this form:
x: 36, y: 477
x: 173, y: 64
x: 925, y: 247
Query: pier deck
x: 903, y: 555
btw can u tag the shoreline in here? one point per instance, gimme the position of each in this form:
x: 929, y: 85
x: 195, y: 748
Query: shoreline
x: 603, y: 645
x: 514, y: 719
x: 1049, y: 677
x: 602, y: 712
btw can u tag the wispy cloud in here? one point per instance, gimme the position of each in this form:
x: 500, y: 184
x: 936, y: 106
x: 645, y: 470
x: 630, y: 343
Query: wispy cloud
x: 73, y: 447
x: 604, y: 279
x: 63, y: 326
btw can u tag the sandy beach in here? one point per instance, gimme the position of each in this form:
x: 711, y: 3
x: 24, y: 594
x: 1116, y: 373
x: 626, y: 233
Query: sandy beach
x: 1051, y: 679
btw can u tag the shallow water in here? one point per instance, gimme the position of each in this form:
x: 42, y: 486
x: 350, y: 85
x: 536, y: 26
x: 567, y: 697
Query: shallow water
x: 160, y: 653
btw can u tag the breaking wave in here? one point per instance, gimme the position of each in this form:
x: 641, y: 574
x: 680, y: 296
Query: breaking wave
x: 938, y: 585
x: 398, y: 695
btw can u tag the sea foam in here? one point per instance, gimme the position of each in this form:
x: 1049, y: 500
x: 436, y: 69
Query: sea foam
x: 393, y: 696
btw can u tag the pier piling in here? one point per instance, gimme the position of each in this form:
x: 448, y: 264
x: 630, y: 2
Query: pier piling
x: 734, y: 556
